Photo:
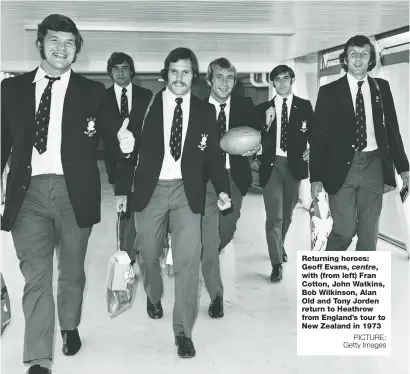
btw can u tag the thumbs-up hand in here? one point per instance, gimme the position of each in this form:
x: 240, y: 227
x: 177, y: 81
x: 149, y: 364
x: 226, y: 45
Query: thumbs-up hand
x: 126, y: 138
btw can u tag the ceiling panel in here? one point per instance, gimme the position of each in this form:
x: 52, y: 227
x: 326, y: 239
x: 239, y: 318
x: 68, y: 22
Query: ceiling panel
x: 315, y: 25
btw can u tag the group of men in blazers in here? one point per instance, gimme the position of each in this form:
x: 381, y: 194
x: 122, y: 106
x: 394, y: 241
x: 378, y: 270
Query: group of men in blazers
x: 169, y: 172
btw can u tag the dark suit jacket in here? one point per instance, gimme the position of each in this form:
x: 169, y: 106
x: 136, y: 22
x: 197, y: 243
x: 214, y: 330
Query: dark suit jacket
x: 333, y: 134
x: 78, y: 151
x: 111, y: 116
x: 300, y: 118
x: 150, y: 148
x: 242, y: 113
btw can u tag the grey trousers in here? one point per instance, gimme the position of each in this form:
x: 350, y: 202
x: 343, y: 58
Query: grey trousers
x: 280, y: 195
x: 357, y: 206
x: 218, y: 229
x: 46, y: 221
x: 169, y: 205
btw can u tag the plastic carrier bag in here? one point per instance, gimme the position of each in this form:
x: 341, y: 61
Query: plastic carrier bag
x: 321, y: 222
x: 5, y: 306
x: 121, y: 279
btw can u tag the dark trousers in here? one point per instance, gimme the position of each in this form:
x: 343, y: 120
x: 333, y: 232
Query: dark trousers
x: 357, y: 206
x: 169, y: 205
x: 218, y: 229
x: 46, y: 221
x: 128, y: 231
x: 280, y: 195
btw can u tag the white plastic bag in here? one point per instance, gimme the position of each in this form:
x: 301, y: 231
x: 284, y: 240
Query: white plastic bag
x: 121, y: 279
x: 121, y: 283
x: 321, y: 222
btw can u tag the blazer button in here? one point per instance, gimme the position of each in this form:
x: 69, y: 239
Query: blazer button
x: 24, y: 187
x: 353, y: 145
x: 28, y: 166
x: 271, y: 164
x: 348, y: 162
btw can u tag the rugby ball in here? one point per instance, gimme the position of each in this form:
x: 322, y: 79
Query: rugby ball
x: 240, y: 140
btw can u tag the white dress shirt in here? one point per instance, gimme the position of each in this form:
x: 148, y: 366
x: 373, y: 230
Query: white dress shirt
x: 49, y: 162
x: 118, y: 94
x: 278, y: 100
x: 171, y: 169
x: 371, y: 137
x: 227, y: 113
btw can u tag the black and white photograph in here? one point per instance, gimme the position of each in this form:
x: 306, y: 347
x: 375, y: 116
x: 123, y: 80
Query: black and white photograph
x: 205, y: 186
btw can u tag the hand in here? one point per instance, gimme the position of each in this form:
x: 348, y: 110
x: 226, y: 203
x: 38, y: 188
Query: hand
x: 315, y: 189
x: 253, y: 151
x: 126, y: 138
x: 405, y: 177
x: 270, y: 116
x: 306, y: 155
x: 224, y: 201
x: 120, y: 203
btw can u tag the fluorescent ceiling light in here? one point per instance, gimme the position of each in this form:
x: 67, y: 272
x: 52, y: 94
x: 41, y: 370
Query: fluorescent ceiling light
x: 178, y: 30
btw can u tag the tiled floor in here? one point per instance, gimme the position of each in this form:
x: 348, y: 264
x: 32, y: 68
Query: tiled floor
x: 257, y: 334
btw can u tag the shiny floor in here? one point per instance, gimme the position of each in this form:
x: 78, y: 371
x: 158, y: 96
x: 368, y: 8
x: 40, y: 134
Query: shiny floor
x: 257, y: 334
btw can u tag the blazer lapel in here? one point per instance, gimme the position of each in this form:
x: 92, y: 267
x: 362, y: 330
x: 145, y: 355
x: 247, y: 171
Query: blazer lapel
x: 134, y: 96
x: 139, y: 112
x: 28, y: 102
x: 293, y: 109
x: 193, y: 119
x: 346, y: 100
x: 234, y: 113
x: 376, y: 104
x: 113, y: 100
x: 72, y: 102
x: 154, y: 124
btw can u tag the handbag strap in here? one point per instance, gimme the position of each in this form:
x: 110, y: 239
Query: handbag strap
x: 118, y: 231
x: 148, y: 109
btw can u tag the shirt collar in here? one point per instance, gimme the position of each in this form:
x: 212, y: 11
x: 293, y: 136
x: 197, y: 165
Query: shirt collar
x: 353, y: 81
x: 289, y: 98
x: 217, y: 103
x: 170, y: 96
x: 40, y: 74
x: 118, y: 88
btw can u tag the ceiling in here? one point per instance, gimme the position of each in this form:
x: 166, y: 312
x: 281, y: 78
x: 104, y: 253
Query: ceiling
x: 254, y: 35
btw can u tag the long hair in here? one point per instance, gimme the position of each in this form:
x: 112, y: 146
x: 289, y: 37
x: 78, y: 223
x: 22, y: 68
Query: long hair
x: 117, y: 58
x: 58, y: 22
x: 281, y: 69
x: 177, y: 54
x: 358, y: 41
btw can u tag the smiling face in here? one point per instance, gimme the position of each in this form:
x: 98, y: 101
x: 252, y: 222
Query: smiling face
x: 59, y: 51
x: 180, y: 77
x: 222, y: 84
x: 357, y: 60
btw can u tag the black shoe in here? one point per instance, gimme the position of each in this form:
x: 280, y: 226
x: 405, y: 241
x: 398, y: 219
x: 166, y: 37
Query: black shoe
x: 71, y: 342
x: 276, y: 274
x: 216, y: 309
x: 154, y: 310
x: 186, y: 348
x: 284, y: 257
x: 37, y: 369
